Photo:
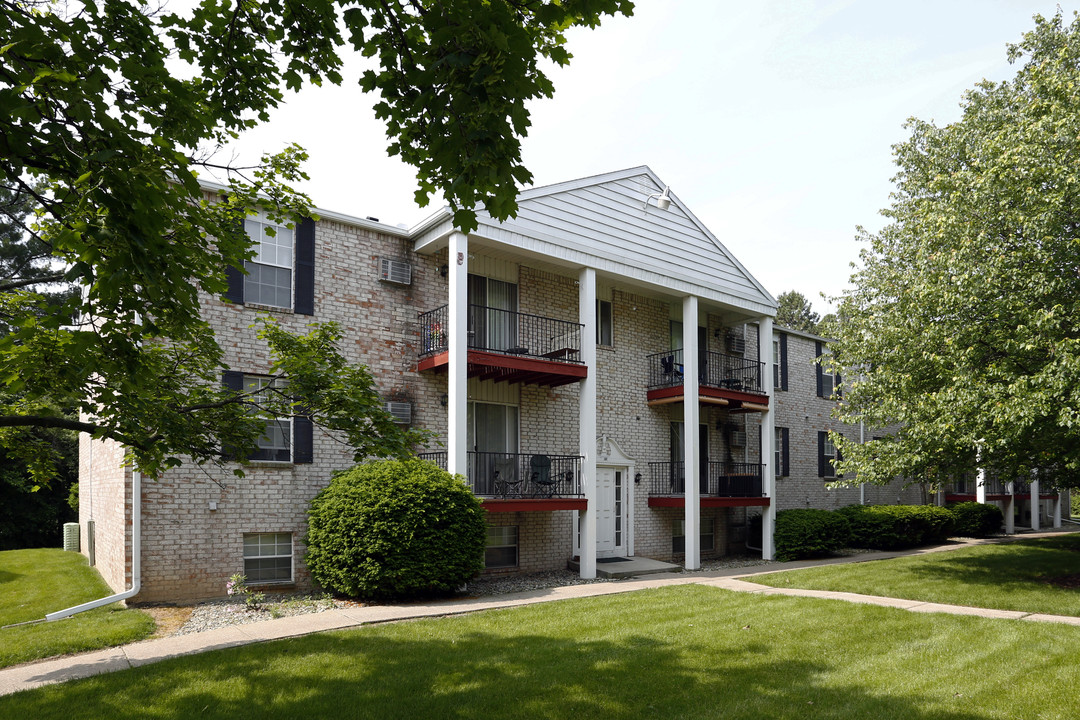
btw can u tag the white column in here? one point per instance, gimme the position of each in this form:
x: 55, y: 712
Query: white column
x: 691, y: 443
x: 1010, y: 509
x: 980, y: 486
x: 587, y: 418
x: 1036, y: 506
x: 1057, y: 509
x: 457, y: 369
x: 768, y: 436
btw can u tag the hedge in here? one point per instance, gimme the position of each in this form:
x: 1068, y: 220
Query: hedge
x: 894, y: 527
x: 395, y: 529
x: 809, y: 533
x: 974, y: 519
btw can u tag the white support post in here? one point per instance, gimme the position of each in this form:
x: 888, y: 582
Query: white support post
x: 457, y: 369
x: 691, y: 441
x: 980, y: 486
x: 768, y: 435
x: 1010, y: 509
x: 1057, y: 509
x: 587, y: 419
x: 1036, y: 506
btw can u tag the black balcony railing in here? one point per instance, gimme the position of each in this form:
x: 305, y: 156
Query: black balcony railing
x: 505, y: 331
x: 997, y: 486
x: 518, y: 475
x: 718, y: 479
x: 715, y: 370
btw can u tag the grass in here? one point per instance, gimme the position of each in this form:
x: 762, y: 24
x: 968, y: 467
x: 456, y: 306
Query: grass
x: 677, y: 652
x: 36, y: 582
x: 1009, y: 576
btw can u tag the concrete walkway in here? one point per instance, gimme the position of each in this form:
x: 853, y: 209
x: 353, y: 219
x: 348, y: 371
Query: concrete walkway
x: 44, y: 672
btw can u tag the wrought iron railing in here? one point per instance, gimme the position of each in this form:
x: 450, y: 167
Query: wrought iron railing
x: 715, y: 370
x: 505, y: 331
x: 518, y: 475
x: 996, y: 486
x: 720, y: 479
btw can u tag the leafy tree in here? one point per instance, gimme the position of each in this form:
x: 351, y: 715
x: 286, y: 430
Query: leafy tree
x: 109, y: 109
x: 794, y: 311
x: 962, y: 326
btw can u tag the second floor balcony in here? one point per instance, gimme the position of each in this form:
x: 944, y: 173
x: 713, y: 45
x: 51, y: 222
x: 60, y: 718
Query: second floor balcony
x: 728, y: 380
x: 506, y: 346
x: 521, y: 481
x: 720, y: 484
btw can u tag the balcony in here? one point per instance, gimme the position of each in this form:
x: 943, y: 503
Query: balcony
x: 725, y: 484
x: 996, y: 489
x: 726, y: 380
x: 506, y: 346
x: 516, y: 482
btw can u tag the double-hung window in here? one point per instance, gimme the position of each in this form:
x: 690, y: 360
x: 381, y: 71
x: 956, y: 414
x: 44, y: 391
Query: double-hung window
x: 270, y: 273
x: 706, y: 536
x: 827, y: 383
x: 276, y: 442
x: 827, y: 453
x: 782, y: 458
x: 268, y: 557
x: 603, y: 323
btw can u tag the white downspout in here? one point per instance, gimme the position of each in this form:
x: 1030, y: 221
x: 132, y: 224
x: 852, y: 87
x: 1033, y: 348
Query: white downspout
x: 136, y: 558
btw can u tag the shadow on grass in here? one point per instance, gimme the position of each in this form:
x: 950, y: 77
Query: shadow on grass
x: 1024, y: 564
x: 479, y: 675
x: 6, y: 576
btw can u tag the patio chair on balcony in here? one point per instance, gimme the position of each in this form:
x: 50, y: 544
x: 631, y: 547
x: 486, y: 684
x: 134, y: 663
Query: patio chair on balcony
x: 543, y: 483
x: 506, y: 480
x: 672, y: 371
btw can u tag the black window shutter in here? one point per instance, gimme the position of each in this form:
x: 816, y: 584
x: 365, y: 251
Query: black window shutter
x: 817, y: 366
x: 235, y: 278
x: 785, y: 460
x: 303, y: 446
x: 231, y: 380
x: 838, y: 390
x: 839, y: 457
x: 783, y: 361
x: 304, y: 299
x: 822, y: 463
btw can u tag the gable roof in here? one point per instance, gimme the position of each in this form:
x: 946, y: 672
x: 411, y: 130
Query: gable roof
x: 604, y: 222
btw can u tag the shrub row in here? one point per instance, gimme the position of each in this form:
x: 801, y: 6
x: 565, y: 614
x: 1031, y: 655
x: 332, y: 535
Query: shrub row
x: 811, y: 533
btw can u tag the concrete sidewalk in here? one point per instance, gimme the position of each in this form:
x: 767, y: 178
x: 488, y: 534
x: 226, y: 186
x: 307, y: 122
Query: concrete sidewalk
x: 44, y: 672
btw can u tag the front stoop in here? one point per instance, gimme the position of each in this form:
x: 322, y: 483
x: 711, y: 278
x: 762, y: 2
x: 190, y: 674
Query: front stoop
x: 628, y: 568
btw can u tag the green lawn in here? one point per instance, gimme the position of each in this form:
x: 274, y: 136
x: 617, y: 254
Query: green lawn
x: 36, y: 582
x: 678, y: 652
x: 1009, y: 576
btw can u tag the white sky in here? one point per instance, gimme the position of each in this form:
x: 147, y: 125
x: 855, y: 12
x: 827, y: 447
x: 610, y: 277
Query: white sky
x: 772, y: 120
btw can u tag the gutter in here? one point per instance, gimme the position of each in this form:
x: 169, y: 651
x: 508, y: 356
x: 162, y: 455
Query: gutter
x: 136, y: 558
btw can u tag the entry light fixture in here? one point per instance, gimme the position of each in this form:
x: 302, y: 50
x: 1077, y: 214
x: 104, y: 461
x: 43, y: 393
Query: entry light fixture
x: 663, y: 200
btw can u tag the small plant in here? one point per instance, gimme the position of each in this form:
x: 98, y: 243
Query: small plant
x: 237, y: 587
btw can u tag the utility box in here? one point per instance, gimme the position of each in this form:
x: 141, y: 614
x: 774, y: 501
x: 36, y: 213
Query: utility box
x: 71, y: 537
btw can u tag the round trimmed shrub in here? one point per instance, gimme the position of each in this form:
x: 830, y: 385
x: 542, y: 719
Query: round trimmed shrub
x: 894, y: 527
x: 809, y: 533
x: 974, y: 519
x: 395, y: 529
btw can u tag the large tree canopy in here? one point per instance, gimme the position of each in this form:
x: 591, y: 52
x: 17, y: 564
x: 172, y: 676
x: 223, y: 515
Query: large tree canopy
x: 109, y: 109
x: 963, y: 326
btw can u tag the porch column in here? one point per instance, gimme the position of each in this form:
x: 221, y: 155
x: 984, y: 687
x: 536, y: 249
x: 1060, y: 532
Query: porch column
x: 1036, y: 505
x: 457, y: 367
x: 1057, y: 510
x: 1010, y: 508
x: 587, y: 419
x: 768, y: 438
x: 691, y: 442
x: 980, y: 486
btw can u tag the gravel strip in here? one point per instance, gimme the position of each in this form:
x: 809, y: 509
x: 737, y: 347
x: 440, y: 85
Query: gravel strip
x: 223, y: 613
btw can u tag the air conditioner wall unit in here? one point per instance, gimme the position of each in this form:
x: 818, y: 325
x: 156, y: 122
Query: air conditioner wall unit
x: 738, y: 438
x: 736, y: 342
x: 395, y: 271
x: 401, y: 411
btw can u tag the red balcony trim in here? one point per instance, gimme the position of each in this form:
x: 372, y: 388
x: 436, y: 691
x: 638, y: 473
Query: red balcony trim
x: 534, y: 505
x: 510, y: 368
x: 709, y: 395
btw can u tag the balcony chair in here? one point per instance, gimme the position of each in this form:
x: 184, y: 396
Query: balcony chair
x: 540, y: 475
x: 506, y: 481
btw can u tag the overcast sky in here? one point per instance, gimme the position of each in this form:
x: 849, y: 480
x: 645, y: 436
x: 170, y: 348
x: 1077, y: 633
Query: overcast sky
x: 772, y: 121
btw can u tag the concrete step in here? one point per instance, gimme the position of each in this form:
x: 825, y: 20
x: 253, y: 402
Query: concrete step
x: 628, y: 568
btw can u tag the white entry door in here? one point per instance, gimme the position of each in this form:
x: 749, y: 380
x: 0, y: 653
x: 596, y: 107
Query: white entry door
x: 610, y: 509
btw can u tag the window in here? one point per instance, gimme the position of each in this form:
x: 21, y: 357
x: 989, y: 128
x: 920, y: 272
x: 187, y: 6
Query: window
x: 502, y: 547
x: 827, y: 383
x: 827, y: 452
x: 493, y: 321
x: 782, y: 459
x: 286, y: 439
x: 282, y: 273
x: 269, y: 278
x: 780, y: 373
x: 277, y: 440
x: 603, y: 323
x: 491, y: 432
x: 268, y: 557
x: 707, y: 536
